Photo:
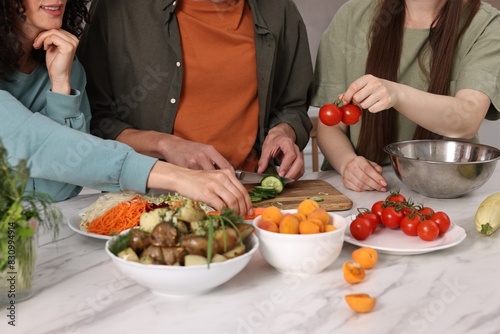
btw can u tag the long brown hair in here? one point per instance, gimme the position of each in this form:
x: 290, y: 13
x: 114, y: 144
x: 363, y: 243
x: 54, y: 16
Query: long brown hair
x: 386, y: 43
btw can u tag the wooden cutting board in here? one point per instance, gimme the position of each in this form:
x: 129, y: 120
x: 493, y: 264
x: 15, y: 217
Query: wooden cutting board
x: 297, y: 191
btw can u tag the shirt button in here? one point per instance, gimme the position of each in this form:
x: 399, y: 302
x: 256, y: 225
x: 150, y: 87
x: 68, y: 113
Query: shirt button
x: 172, y: 101
x: 174, y: 3
x: 178, y: 64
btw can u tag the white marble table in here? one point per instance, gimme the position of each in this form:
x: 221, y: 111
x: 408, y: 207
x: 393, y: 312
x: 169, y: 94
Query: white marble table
x: 456, y: 290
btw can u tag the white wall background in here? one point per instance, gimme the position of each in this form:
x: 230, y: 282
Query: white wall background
x: 317, y: 14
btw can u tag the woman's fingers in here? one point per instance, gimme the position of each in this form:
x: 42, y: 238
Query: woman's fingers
x: 361, y: 175
x: 58, y: 37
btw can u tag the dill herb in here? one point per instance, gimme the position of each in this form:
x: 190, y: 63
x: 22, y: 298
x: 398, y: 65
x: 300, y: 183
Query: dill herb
x: 18, y: 207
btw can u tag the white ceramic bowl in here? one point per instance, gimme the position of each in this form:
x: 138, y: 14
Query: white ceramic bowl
x: 301, y: 254
x: 184, y: 281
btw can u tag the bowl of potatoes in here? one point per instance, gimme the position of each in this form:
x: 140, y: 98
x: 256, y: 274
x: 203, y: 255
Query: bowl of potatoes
x: 183, y: 252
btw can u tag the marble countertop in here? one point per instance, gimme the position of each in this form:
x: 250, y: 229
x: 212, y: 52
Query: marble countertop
x: 79, y: 290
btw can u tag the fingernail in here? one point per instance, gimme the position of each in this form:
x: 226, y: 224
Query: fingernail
x: 382, y: 182
x: 383, y: 189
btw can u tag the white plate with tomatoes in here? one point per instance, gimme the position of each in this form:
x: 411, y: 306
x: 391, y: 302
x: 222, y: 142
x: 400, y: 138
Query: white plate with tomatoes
x: 394, y: 241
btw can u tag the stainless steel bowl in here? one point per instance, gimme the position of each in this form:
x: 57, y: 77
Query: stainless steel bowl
x: 442, y: 168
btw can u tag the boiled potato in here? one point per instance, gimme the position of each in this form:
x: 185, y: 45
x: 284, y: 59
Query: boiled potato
x: 236, y: 251
x: 128, y: 254
x: 219, y: 258
x: 195, y: 260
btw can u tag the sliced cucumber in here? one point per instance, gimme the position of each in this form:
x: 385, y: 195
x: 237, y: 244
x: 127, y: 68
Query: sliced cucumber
x: 265, y: 188
x: 316, y: 198
x: 255, y: 199
x: 274, y: 182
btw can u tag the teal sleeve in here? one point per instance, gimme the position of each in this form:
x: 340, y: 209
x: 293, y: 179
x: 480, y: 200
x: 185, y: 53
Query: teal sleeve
x: 65, y: 109
x: 72, y: 110
x: 61, y: 159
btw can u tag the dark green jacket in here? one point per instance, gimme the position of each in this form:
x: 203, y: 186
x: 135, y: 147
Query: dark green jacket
x: 132, y: 55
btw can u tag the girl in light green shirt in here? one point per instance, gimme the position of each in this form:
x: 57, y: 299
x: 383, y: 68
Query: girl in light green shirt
x: 358, y: 59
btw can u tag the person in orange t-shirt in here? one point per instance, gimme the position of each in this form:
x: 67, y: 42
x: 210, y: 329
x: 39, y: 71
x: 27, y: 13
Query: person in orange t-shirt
x: 210, y: 84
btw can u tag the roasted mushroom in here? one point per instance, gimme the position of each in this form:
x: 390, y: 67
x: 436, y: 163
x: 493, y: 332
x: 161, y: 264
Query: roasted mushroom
x: 198, y: 245
x: 154, y: 253
x: 245, y: 230
x: 164, y: 235
x: 180, y: 226
x: 139, y: 240
x: 173, y: 255
x: 227, y: 238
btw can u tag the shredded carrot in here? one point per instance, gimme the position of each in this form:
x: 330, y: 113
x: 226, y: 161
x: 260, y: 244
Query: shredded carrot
x: 123, y: 216
x: 213, y: 213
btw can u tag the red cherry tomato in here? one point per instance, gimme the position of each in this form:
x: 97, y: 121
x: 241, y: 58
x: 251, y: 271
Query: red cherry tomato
x: 428, y: 230
x: 360, y: 228
x: 391, y: 217
x: 378, y: 207
x: 442, y: 220
x: 396, y: 197
x: 330, y: 114
x: 352, y: 113
x: 372, y: 217
x: 426, y: 212
x: 407, y: 209
x: 409, y: 224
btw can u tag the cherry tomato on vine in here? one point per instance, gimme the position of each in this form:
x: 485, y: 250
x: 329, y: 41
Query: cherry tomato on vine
x: 396, y: 197
x: 428, y: 230
x: 378, y: 207
x: 360, y: 228
x: 330, y: 114
x: 408, y: 209
x: 372, y: 217
x: 409, y: 224
x: 442, y: 220
x: 352, y: 114
x: 426, y: 211
x: 391, y: 217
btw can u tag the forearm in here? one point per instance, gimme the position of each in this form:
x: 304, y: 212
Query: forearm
x: 457, y: 116
x: 151, y: 143
x: 161, y: 174
x: 335, y: 146
x: 61, y: 86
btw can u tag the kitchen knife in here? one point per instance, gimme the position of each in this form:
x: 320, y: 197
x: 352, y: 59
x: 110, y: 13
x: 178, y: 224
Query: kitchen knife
x: 249, y: 177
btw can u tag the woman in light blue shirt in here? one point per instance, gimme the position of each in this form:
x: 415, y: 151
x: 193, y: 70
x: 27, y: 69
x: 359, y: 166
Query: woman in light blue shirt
x: 44, y: 113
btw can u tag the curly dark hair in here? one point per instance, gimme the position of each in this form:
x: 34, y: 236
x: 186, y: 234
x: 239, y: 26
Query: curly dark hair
x: 76, y: 14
